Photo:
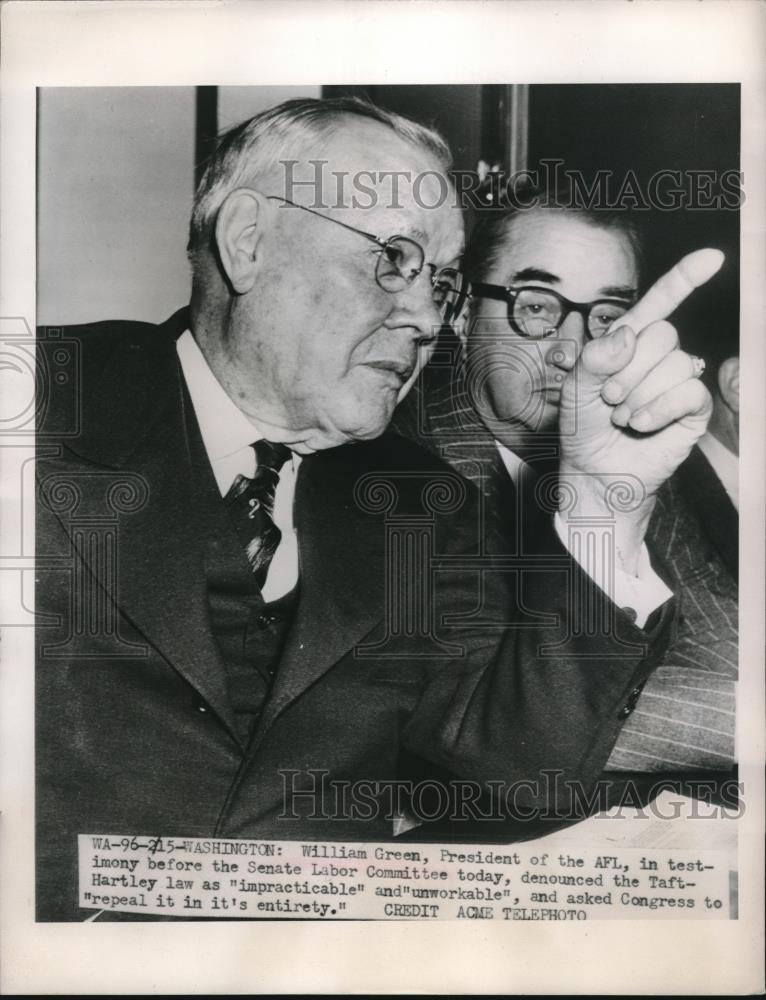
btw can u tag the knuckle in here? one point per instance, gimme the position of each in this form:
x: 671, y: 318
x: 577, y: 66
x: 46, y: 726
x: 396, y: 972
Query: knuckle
x: 681, y: 361
x: 700, y: 393
x: 591, y: 352
x: 665, y: 334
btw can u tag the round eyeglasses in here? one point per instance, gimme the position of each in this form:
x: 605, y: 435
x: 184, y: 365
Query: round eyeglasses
x: 539, y: 312
x: 399, y: 262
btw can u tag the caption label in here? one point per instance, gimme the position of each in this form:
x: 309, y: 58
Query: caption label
x: 201, y: 877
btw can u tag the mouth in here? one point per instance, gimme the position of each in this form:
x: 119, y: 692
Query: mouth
x: 401, y: 369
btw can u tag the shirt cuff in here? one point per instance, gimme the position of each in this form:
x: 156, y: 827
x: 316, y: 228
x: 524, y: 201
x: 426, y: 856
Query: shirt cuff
x: 637, y: 596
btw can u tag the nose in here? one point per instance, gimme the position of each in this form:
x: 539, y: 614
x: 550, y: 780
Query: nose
x: 570, y: 339
x: 415, y: 307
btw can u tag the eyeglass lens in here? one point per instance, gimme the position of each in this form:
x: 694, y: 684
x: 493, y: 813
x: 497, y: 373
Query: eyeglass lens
x: 400, y: 262
x: 538, y: 313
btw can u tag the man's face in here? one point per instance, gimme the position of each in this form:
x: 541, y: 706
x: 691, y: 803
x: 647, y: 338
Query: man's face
x: 516, y: 381
x: 322, y: 352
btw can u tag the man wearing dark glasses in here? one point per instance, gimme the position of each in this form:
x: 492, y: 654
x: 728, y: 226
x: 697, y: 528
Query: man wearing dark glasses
x: 292, y: 617
x: 558, y: 281
x: 546, y: 281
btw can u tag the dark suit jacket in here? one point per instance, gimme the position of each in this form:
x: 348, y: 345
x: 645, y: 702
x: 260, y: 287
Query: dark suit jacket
x: 684, y: 718
x: 135, y: 733
x: 695, y: 491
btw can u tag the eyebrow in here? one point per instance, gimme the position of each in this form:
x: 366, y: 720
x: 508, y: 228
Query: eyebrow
x: 535, y: 274
x: 619, y: 292
x: 538, y: 274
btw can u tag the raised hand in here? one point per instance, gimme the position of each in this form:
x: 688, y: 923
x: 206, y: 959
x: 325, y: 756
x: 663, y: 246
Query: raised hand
x: 634, y: 403
x: 633, y: 407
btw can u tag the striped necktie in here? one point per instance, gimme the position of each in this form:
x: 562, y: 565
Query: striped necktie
x: 251, y: 505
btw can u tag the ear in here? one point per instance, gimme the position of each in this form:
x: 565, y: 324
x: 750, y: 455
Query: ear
x: 728, y: 383
x: 239, y: 230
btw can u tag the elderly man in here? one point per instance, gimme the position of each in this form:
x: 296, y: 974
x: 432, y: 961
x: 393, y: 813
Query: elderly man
x: 547, y: 280
x: 254, y: 657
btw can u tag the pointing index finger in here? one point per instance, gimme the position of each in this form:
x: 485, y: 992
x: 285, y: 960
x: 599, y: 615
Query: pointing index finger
x: 667, y: 294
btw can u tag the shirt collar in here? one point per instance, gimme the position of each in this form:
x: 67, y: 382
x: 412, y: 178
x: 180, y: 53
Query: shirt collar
x: 511, y: 461
x: 224, y: 427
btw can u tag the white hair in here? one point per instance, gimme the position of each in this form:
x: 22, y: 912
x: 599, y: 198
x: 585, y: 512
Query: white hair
x: 255, y: 148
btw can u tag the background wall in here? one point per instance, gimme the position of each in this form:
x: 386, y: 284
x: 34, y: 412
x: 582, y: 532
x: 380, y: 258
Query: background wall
x: 115, y: 183
x: 115, y: 189
x: 648, y: 128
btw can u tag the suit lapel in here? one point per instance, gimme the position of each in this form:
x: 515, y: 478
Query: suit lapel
x: 705, y: 494
x: 339, y: 548
x: 463, y: 440
x: 137, y: 424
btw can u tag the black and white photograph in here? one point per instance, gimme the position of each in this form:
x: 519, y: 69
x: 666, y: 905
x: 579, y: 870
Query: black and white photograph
x: 372, y: 487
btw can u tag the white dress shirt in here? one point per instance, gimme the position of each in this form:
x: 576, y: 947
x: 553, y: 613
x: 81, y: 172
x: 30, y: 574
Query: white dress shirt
x: 643, y: 593
x: 725, y: 464
x: 228, y: 436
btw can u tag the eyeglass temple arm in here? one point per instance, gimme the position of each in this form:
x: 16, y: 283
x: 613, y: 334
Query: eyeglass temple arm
x: 360, y: 232
x: 478, y: 290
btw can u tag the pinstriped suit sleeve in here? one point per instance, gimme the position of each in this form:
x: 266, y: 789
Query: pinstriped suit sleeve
x: 685, y: 717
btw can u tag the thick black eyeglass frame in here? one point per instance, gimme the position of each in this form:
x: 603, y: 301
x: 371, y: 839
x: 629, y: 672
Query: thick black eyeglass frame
x: 460, y: 292
x: 479, y: 290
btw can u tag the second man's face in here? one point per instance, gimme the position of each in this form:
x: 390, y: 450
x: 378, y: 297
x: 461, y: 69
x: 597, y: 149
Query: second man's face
x: 515, y: 380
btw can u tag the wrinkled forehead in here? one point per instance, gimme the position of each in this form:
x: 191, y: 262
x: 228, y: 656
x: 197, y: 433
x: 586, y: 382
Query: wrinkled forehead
x: 566, y: 245
x: 378, y: 181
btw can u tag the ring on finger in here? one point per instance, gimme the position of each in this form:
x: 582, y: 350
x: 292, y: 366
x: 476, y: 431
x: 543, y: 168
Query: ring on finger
x: 698, y: 366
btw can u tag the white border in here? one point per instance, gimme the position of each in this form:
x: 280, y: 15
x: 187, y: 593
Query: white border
x: 100, y: 43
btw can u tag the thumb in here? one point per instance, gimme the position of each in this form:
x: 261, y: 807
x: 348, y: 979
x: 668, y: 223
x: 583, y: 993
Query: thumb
x: 604, y: 357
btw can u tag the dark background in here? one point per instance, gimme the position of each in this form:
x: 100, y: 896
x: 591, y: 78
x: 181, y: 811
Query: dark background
x: 648, y: 128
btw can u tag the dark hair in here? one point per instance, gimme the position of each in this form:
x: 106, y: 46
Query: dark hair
x: 490, y: 229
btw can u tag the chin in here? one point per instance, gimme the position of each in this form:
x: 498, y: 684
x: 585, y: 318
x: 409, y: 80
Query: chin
x: 365, y: 430
x: 370, y: 432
